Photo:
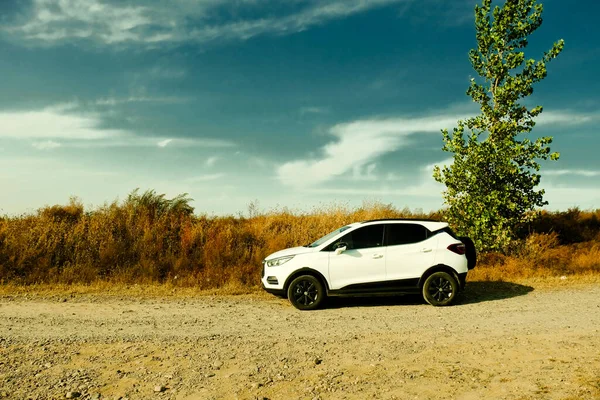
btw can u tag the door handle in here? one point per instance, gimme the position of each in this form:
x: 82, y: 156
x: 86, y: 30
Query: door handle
x: 426, y: 250
x: 377, y: 255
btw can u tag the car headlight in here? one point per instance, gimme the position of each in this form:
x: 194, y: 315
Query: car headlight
x: 276, y: 262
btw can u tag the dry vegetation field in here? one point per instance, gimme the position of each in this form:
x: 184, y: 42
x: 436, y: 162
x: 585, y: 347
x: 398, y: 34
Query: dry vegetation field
x: 147, y: 239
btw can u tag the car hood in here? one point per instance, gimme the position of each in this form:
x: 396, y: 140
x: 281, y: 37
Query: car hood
x: 293, y: 251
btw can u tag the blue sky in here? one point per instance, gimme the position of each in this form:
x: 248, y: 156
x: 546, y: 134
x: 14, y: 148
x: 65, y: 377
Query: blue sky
x: 294, y: 103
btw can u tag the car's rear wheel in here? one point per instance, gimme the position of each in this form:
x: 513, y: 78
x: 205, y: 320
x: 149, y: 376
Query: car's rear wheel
x: 440, y: 289
x: 306, y: 292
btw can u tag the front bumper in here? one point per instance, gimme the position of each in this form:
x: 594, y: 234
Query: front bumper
x: 276, y: 292
x: 271, y: 283
x: 273, y: 279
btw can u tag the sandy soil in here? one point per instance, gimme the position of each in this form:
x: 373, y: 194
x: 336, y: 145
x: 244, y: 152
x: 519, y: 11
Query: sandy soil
x: 502, y: 341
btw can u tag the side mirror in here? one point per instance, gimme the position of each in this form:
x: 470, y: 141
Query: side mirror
x: 340, y: 248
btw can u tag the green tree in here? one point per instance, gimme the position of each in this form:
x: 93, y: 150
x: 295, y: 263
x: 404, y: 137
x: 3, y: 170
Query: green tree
x: 491, y: 185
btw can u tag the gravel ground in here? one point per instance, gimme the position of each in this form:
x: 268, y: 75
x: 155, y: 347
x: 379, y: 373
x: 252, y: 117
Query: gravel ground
x: 501, y: 341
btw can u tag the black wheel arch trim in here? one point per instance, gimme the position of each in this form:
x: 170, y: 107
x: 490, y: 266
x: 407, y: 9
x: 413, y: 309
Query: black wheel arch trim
x: 306, y: 271
x: 460, y: 278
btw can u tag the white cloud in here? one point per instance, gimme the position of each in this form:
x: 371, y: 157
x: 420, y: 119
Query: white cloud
x: 53, y: 123
x: 65, y: 125
x: 317, y: 12
x: 420, y: 190
x: 444, y: 163
x: 54, y: 20
x: 114, y: 101
x: 364, y: 173
x: 141, y: 141
x: 166, y: 72
x: 46, y: 145
x: 563, y: 197
x: 579, y: 172
x: 391, y: 176
x: 63, y: 107
x: 164, y: 143
x: 563, y: 117
x: 313, y: 110
x: 205, y: 178
x: 356, y: 144
x: 154, y: 22
x: 210, y: 161
x: 420, y: 185
x: 257, y: 162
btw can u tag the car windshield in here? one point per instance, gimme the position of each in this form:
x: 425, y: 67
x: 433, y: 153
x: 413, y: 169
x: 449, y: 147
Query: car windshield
x: 328, y: 236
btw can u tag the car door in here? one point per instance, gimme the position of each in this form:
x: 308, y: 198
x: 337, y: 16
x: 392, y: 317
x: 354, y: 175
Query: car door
x: 410, y: 250
x: 363, y: 261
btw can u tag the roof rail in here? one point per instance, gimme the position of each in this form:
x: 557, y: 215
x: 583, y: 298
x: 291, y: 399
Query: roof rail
x: 402, y: 219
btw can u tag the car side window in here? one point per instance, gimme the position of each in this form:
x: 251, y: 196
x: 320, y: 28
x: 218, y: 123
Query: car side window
x: 405, y: 234
x: 362, y: 238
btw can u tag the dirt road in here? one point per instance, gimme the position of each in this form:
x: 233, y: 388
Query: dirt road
x: 502, y: 341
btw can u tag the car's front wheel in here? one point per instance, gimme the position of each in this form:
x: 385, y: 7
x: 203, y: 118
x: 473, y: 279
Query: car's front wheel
x: 440, y: 289
x: 306, y: 292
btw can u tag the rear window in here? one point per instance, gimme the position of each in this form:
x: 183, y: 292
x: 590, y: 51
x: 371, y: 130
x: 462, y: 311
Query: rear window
x: 398, y: 234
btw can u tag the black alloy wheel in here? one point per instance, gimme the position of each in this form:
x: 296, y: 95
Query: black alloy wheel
x: 440, y: 289
x: 306, y: 292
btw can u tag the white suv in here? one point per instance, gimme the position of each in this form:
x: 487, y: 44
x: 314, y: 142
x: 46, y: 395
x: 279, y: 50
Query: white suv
x: 399, y: 256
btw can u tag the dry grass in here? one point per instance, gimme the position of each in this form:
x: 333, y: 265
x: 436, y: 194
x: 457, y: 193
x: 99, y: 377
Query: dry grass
x: 148, y: 244
x: 110, y: 290
x: 106, y: 289
x: 542, y: 256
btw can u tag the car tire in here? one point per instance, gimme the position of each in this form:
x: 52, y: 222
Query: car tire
x: 306, y: 292
x: 471, y: 253
x: 440, y: 289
